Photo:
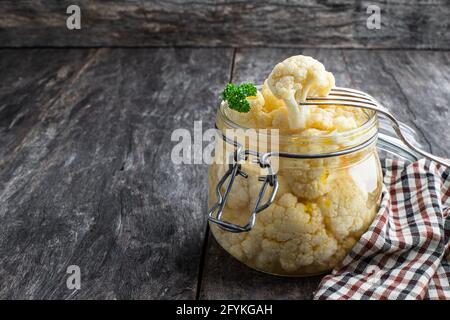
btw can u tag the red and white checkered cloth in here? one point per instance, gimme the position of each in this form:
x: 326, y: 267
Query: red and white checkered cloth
x: 405, y: 254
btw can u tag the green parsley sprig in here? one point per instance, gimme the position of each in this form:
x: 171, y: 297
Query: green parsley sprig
x: 236, y: 96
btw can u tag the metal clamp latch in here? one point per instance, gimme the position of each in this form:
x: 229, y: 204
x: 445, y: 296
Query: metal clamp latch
x: 216, y: 211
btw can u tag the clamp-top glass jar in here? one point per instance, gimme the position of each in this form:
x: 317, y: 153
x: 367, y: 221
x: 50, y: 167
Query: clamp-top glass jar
x: 302, y: 217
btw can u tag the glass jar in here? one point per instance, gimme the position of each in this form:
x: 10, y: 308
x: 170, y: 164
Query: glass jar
x: 295, y: 207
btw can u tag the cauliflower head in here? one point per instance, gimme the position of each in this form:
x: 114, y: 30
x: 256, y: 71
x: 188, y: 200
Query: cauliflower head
x: 295, y: 78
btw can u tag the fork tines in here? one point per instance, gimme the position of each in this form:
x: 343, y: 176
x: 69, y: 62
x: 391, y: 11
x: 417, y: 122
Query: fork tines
x: 343, y: 97
x: 354, y: 98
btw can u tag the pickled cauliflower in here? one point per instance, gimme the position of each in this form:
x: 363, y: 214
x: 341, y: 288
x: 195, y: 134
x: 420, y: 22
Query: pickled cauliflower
x: 296, y: 78
x: 320, y: 209
x: 267, y: 111
x: 296, y: 234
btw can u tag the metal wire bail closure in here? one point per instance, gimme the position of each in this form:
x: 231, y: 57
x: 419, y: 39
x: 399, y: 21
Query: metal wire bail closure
x: 216, y: 211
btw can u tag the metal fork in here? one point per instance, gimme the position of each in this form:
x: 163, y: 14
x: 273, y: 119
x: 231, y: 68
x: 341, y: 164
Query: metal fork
x: 355, y: 98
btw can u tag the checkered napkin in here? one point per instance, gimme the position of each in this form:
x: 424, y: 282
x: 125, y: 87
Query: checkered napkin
x: 405, y: 254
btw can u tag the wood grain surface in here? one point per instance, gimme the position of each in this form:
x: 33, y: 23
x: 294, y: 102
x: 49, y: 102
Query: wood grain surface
x: 285, y: 23
x: 86, y: 176
x: 85, y: 171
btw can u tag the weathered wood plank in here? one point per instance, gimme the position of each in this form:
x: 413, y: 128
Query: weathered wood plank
x: 85, y: 171
x: 414, y: 84
x: 423, y: 87
x: 314, y: 23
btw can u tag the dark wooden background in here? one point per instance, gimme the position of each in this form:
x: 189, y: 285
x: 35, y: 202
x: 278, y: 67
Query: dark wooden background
x: 285, y: 23
x: 85, y: 170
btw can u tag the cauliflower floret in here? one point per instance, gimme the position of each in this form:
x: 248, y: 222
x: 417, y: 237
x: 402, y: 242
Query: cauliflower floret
x: 232, y: 242
x: 256, y: 102
x: 280, y: 118
x: 283, y: 187
x: 296, y: 78
x: 245, y: 119
x: 325, y: 247
x: 271, y: 102
x: 344, y: 208
x: 320, y: 119
x: 310, y: 184
x: 288, y: 200
x: 269, y: 255
x: 342, y: 123
x: 251, y: 246
x: 238, y: 197
x: 296, y: 254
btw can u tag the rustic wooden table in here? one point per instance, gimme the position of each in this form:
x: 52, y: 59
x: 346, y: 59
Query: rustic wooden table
x: 86, y: 177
